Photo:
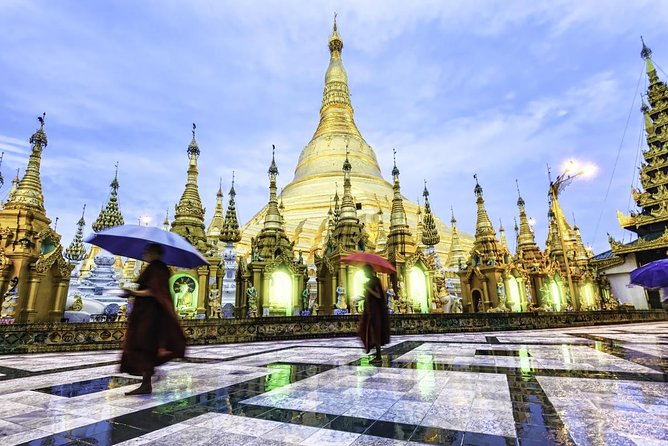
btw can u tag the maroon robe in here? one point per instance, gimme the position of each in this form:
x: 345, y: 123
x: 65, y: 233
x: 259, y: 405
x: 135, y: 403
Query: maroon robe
x: 154, y: 335
x: 374, y: 326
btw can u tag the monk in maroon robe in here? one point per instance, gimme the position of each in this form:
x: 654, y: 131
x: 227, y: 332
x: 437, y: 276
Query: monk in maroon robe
x: 374, y: 326
x: 154, y: 335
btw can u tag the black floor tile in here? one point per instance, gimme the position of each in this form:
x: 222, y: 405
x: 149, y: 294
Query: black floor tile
x: 389, y: 429
x: 89, y: 386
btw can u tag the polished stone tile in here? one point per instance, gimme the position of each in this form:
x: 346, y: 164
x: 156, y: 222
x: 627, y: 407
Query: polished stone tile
x: 581, y: 385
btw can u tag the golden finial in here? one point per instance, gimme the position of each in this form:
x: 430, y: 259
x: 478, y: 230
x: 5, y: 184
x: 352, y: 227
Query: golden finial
x: 395, y: 169
x: 477, y: 189
x: 273, y: 168
x: 646, y: 52
x: 193, y: 148
x: 83, y: 212
x: 335, y: 42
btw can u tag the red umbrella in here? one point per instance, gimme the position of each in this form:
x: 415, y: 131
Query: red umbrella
x: 378, y: 263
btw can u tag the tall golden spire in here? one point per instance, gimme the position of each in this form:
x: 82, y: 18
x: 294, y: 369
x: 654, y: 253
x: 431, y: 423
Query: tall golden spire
x: 525, y: 236
x: 110, y: 215
x: 272, y: 241
x: 189, y: 213
x: 527, y: 252
x: 348, y: 211
x: 336, y: 113
x: 230, y: 232
x: 456, y: 253
x: 430, y: 236
x: 218, y: 219
x: 348, y: 234
x: 273, y: 218
x: 486, y: 246
x: 28, y: 193
x: 399, y: 239
x: 165, y: 222
x: 646, y: 54
x: 76, y: 252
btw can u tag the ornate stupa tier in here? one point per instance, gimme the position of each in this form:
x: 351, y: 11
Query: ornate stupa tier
x: 528, y: 254
x: 28, y: 194
x: 486, y: 247
x: 653, y: 201
x: 272, y: 241
x: 189, y: 213
x: 110, y: 215
x: 230, y: 232
x: 399, y: 240
x: 76, y: 252
x: 430, y: 236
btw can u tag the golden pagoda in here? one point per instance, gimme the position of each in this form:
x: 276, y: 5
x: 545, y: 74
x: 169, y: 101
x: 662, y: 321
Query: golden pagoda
x: 482, y: 278
x: 32, y: 266
x: 571, y: 281
x: 308, y: 197
x: 190, y: 287
x: 650, y: 222
x: 270, y: 285
x: 529, y: 261
x: 189, y: 213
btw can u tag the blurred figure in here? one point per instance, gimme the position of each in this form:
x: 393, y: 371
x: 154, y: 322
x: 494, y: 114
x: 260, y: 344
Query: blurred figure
x: 154, y: 335
x: 374, y: 326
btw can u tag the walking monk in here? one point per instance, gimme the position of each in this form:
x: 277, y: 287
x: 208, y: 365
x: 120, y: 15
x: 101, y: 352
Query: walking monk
x: 374, y: 327
x: 154, y: 335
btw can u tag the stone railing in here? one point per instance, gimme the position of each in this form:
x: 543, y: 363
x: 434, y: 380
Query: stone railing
x: 53, y: 337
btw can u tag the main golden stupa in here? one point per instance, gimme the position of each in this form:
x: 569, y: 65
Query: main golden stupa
x: 318, y: 178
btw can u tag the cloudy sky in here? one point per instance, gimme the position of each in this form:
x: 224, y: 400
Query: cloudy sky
x: 501, y: 89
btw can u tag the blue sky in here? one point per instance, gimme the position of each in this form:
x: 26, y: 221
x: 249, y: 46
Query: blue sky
x: 500, y: 89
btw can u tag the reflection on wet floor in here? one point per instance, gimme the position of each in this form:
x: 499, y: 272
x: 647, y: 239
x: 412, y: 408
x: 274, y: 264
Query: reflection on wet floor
x: 585, y: 386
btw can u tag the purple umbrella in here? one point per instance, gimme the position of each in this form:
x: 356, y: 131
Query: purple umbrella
x: 652, y: 275
x: 131, y: 240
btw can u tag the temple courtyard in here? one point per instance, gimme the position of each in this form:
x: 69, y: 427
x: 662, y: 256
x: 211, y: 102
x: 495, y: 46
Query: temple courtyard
x: 602, y: 385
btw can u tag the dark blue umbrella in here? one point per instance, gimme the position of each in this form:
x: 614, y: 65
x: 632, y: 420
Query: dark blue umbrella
x: 652, y: 275
x: 131, y: 240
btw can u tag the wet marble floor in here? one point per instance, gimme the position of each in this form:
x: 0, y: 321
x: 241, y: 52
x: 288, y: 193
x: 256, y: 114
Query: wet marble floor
x: 605, y: 385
